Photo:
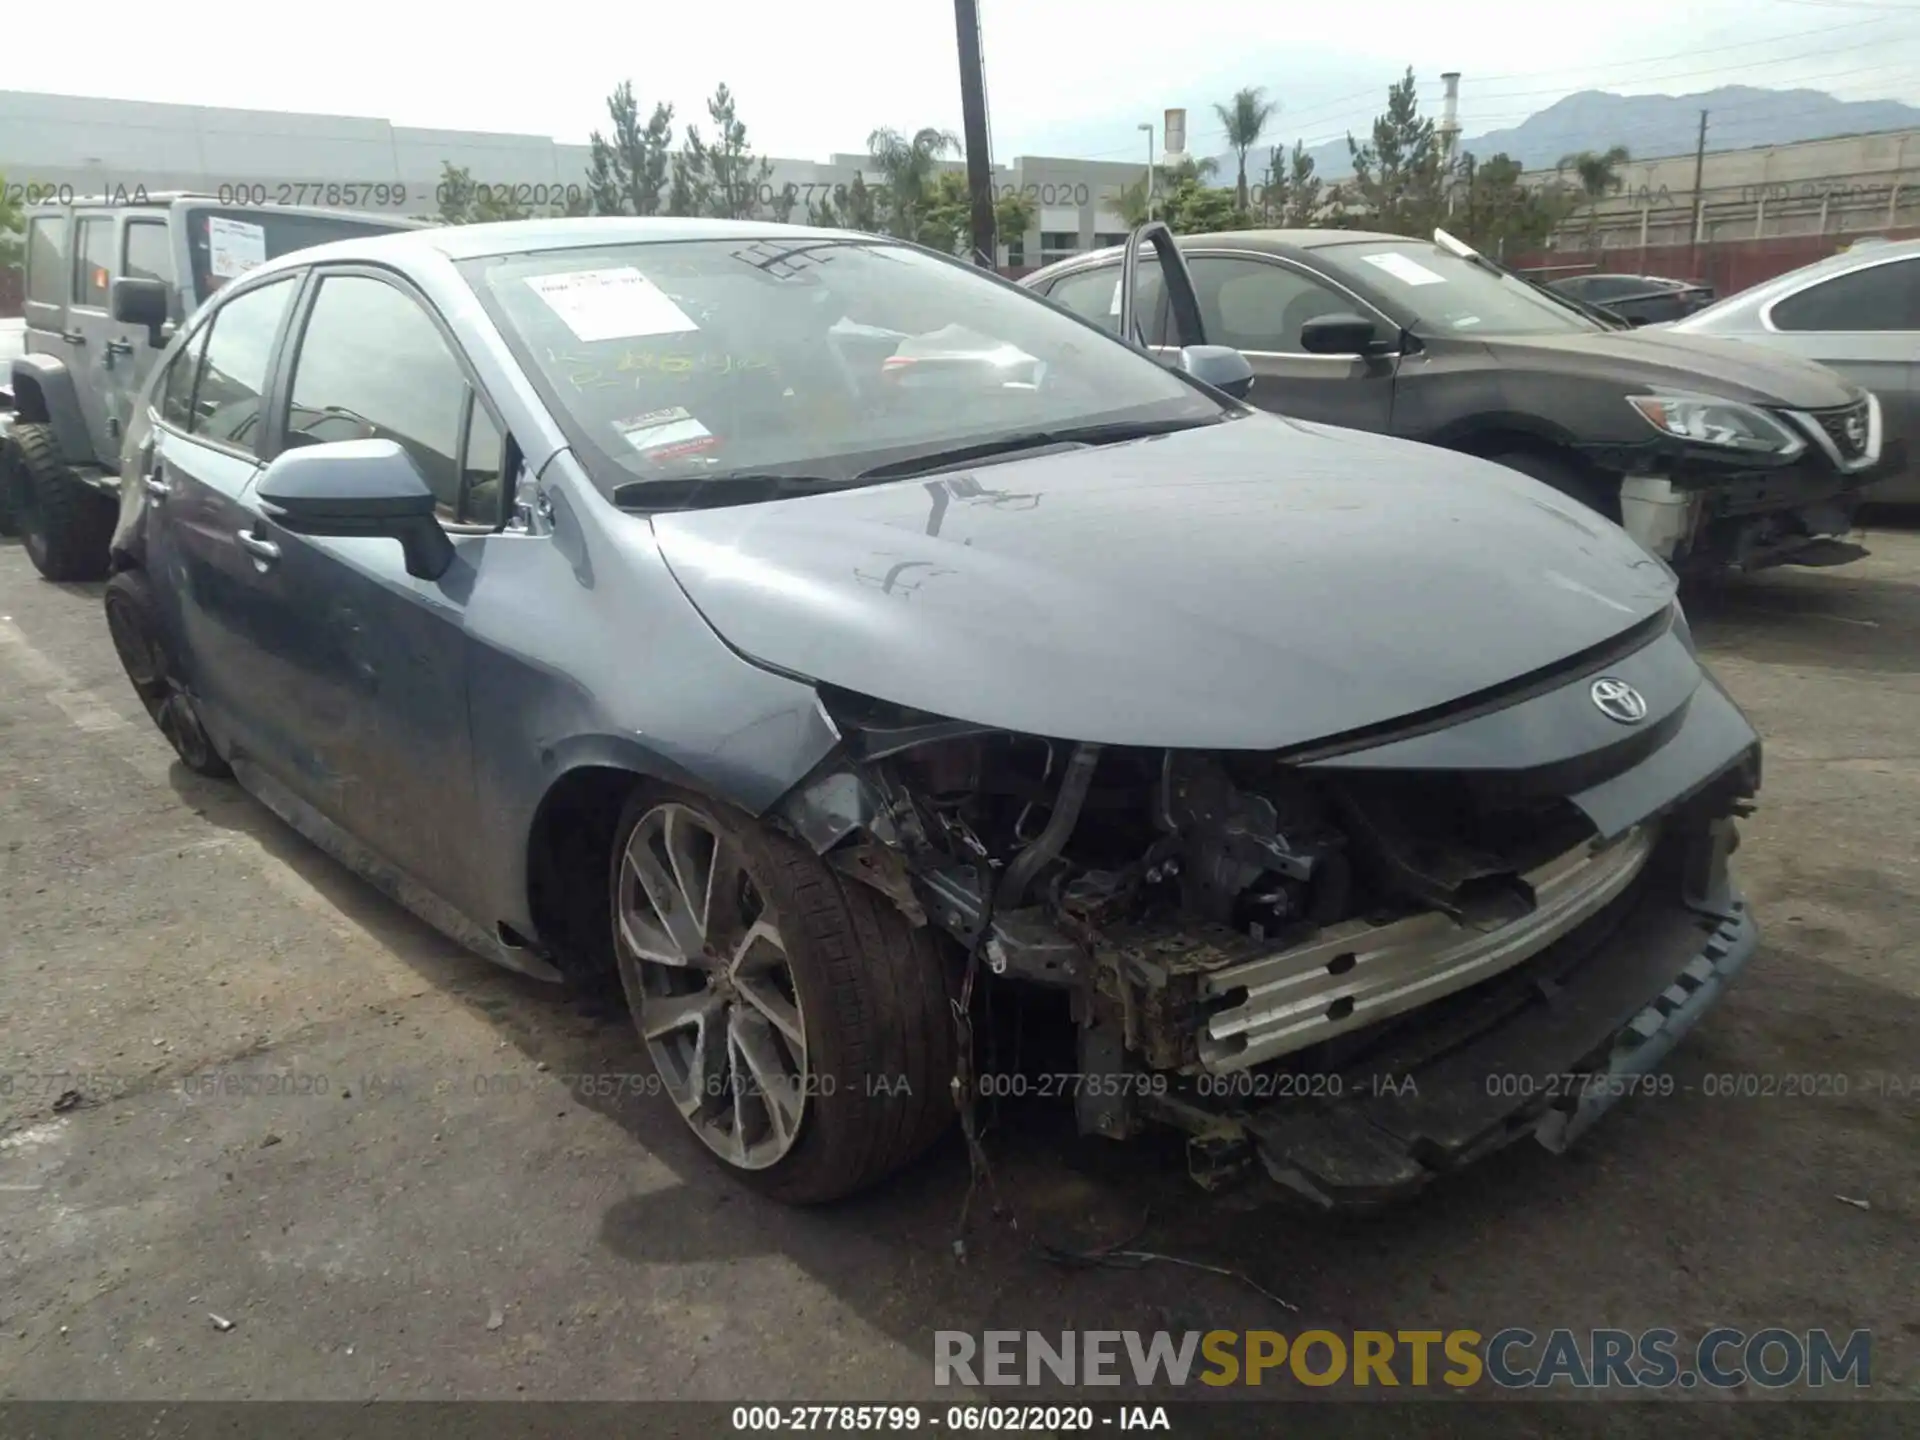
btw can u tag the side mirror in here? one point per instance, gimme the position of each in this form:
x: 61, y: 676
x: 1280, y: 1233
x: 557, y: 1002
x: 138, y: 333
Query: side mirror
x: 141, y: 302
x: 1220, y: 366
x: 1338, y: 335
x: 358, y: 487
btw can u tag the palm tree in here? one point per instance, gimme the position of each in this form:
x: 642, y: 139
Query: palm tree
x: 1597, y: 171
x: 1245, y: 118
x: 909, y: 165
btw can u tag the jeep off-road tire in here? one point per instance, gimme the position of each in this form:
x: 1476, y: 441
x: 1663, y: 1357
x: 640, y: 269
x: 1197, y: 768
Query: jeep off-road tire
x: 133, y: 620
x: 785, y: 944
x: 67, y: 526
x: 9, y: 470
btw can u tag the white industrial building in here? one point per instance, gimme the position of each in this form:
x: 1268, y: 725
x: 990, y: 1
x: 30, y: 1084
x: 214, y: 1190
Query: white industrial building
x: 84, y: 145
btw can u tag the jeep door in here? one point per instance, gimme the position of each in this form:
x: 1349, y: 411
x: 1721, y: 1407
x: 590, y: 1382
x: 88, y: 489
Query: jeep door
x: 1257, y: 303
x: 145, y: 253
x: 49, y: 287
x: 93, y: 350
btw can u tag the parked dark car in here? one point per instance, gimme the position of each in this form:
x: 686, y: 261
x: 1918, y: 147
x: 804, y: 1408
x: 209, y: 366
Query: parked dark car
x: 1637, y: 299
x: 597, y: 588
x: 1709, y: 453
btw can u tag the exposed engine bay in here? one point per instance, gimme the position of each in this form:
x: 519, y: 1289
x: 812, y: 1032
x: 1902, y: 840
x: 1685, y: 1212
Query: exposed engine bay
x: 1219, y: 919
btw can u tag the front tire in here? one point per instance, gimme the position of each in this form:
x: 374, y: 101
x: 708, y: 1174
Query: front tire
x: 798, y: 1023
x: 66, y: 525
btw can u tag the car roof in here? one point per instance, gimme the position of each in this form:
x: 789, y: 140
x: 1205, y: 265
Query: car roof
x: 1735, y: 309
x: 514, y: 237
x: 1272, y: 242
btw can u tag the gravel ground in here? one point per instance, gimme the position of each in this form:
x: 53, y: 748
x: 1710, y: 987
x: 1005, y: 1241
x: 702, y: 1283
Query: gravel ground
x: 435, y: 1211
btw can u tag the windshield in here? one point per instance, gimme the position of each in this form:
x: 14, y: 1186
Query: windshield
x: 696, y: 360
x: 227, y: 243
x: 1449, y: 295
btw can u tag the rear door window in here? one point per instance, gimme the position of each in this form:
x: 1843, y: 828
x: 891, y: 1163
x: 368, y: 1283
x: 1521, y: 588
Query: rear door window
x: 1095, y: 295
x: 227, y: 401
x: 47, y: 269
x: 93, y: 270
x: 1880, y: 297
x: 146, y: 254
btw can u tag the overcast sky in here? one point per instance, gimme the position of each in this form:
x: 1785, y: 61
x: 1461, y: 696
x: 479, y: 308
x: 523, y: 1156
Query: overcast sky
x: 1064, y: 77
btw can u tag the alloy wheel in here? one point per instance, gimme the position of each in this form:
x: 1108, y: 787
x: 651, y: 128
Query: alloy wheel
x: 715, y: 1000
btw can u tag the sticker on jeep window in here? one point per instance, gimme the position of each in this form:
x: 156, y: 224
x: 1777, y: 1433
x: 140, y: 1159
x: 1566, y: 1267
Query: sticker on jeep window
x: 616, y: 304
x: 234, y: 246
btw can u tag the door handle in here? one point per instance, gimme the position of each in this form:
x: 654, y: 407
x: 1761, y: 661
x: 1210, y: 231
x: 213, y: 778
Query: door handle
x: 119, y: 347
x: 73, y: 337
x: 263, y: 551
x: 156, y: 487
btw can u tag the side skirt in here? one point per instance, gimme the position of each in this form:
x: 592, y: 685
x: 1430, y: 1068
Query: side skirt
x: 390, y: 881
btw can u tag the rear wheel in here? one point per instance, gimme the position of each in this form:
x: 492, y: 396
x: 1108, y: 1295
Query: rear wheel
x: 66, y: 525
x: 133, y: 620
x: 798, y: 1023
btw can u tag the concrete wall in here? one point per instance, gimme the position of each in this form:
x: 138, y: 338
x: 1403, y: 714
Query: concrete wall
x: 1864, y: 183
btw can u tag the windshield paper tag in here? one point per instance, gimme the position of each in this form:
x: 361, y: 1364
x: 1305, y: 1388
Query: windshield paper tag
x: 617, y: 304
x: 1408, y: 272
x: 658, y: 429
x: 234, y: 246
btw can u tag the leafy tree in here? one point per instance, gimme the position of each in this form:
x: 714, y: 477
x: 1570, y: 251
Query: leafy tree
x: 857, y: 208
x: 627, y: 173
x: 13, y: 224
x: 462, y: 202
x: 1502, y: 216
x: 1291, y: 191
x: 1597, y: 172
x: 910, y: 165
x: 1597, y: 175
x: 947, y: 222
x: 1398, y: 174
x: 721, y: 178
x: 1245, y: 118
x: 1132, y: 202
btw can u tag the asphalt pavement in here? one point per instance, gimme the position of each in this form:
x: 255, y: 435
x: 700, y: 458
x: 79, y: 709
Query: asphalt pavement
x: 240, y: 1084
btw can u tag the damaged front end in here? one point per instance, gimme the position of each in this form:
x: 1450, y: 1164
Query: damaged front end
x: 1353, y: 966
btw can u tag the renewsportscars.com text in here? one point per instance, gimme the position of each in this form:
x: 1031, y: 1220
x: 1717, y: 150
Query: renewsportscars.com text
x: 1514, y: 1358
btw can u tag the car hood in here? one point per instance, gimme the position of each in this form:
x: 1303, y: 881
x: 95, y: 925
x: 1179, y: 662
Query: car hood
x: 1251, y: 585
x: 1681, y: 361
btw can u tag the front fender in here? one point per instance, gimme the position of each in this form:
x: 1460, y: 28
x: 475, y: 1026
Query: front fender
x: 44, y: 394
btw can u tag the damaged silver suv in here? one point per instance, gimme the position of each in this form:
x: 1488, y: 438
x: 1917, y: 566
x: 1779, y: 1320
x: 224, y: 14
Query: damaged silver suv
x: 821, y: 634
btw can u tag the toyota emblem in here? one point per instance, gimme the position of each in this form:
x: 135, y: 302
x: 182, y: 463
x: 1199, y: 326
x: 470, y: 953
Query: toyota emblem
x: 1619, y: 701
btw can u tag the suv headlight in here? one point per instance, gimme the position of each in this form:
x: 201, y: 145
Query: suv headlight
x: 1724, y: 423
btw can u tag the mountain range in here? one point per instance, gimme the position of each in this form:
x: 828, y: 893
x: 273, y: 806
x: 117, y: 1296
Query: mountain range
x: 1739, y: 117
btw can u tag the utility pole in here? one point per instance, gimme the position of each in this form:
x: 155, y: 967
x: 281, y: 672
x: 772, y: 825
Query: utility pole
x: 1699, y: 205
x: 973, y: 115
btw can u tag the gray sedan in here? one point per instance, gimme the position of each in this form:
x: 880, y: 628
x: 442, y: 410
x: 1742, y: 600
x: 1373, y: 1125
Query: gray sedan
x: 824, y: 637
x: 1858, y: 312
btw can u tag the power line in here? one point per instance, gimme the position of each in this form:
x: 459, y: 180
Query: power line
x: 1691, y: 51
x: 1874, y: 44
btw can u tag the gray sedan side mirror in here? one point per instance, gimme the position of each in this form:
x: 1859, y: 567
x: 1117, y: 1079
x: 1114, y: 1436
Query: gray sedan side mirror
x: 1221, y: 366
x: 358, y: 487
